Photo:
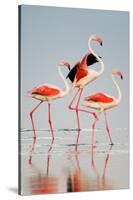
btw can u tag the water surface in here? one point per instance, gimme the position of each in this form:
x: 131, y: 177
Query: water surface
x: 66, y: 167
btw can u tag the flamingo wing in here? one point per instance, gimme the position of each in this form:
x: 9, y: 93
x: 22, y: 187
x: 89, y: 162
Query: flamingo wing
x: 46, y: 90
x: 73, y: 71
x: 100, y: 97
x: 81, y: 73
x: 89, y: 59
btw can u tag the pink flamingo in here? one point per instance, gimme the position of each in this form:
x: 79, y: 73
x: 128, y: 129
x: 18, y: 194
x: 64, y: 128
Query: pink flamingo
x: 84, y: 76
x: 47, y: 92
x: 102, y: 102
x: 88, y: 60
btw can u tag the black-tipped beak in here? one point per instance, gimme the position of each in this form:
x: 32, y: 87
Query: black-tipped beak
x: 69, y: 68
x: 101, y: 43
x: 121, y: 77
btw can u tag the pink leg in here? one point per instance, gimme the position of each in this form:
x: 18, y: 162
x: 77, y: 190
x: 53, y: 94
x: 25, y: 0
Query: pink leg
x: 31, y: 116
x: 70, y: 106
x: 81, y: 90
x: 50, y: 123
x: 81, y: 110
x: 107, y: 128
x: 31, y: 152
x: 93, y: 163
x: 78, y: 129
x: 105, y: 165
x: 77, y: 161
x: 51, y: 146
x: 93, y: 128
x: 48, y: 160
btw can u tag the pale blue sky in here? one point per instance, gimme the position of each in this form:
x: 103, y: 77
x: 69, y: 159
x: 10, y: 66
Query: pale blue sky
x: 50, y: 34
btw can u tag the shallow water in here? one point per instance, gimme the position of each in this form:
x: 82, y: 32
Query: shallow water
x: 66, y: 167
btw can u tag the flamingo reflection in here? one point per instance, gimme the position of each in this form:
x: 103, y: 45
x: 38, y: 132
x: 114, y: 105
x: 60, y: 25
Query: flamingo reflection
x: 42, y: 182
x: 102, y: 183
x: 78, y: 180
x: 75, y: 177
x: 33, y: 149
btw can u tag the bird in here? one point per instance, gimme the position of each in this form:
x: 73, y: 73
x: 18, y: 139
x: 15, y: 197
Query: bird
x: 88, y: 60
x: 82, y: 75
x: 102, y: 102
x: 48, y: 92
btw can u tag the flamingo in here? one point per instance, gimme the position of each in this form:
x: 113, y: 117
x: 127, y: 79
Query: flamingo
x: 102, y: 102
x: 88, y: 60
x: 82, y: 75
x: 48, y: 92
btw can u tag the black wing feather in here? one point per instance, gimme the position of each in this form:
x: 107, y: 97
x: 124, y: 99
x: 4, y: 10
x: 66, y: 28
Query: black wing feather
x: 72, y: 73
x: 91, y: 59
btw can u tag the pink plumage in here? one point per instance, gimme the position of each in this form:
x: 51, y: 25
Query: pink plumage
x: 99, y: 97
x: 45, y: 90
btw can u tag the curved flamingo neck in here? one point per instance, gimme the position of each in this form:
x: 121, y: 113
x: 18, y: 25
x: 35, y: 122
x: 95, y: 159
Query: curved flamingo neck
x: 99, y: 59
x: 67, y: 88
x: 118, y: 89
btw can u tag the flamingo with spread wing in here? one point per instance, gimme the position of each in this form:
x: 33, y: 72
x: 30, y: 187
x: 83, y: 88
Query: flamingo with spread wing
x: 81, y: 75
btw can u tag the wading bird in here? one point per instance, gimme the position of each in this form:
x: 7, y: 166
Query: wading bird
x: 82, y: 75
x: 48, y: 92
x: 102, y: 102
x: 88, y: 60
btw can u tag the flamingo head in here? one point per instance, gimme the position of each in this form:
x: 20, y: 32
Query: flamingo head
x: 118, y: 73
x: 96, y: 38
x: 64, y: 63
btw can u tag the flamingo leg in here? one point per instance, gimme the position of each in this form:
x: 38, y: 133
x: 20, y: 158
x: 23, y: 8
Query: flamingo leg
x: 50, y: 123
x: 107, y: 128
x: 70, y: 106
x: 77, y: 114
x: 31, y: 117
x: 81, y: 110
x: 31, y: 152
x: 93, y: 164
x: 48, y: 160
x: 105, y: 166
x: 93, y: 128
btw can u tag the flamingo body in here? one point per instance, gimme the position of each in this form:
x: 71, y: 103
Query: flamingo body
x: 87, y: 60
x: 100, y: 97
x: 84, y: 76
x: 81, y: 73
x: 100, y: 101
x: 46, y: 92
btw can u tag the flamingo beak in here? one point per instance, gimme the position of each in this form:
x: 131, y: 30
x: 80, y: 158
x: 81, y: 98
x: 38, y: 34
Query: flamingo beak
x: 121, y: 77
x: 101, y: 43
x: 120, y: 74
